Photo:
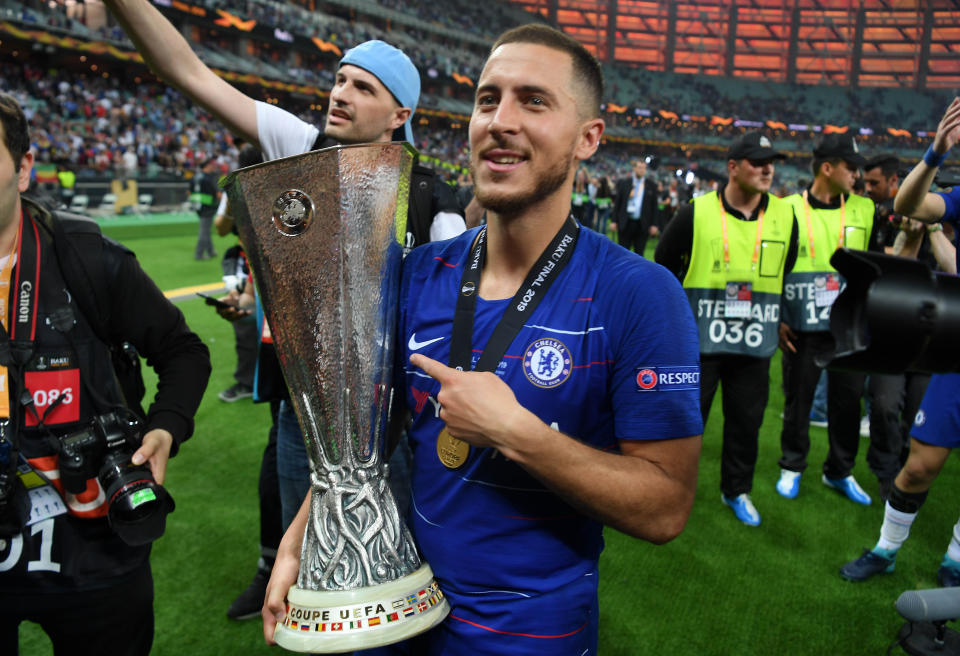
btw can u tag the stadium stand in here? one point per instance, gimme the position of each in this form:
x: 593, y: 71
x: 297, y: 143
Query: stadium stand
x: 87, y: 113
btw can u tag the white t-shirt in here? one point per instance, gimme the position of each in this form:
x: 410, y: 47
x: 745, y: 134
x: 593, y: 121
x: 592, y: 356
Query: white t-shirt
x: 222, y: 209
x: 282, y: 134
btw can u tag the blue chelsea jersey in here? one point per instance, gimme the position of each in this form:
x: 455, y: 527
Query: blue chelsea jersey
x: 951, y: 213
x: 610, y: 353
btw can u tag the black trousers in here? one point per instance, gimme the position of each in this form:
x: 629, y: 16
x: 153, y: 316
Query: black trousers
x: 844, y: 390
x: 247, y: 340
x: 745, y: 389
x: 116, y: 620
x: 632, y: 234
x: 894, y: 401
x: 271, y: 523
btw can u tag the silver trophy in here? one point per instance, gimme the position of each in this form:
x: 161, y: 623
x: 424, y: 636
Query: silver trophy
x: 323, y: 233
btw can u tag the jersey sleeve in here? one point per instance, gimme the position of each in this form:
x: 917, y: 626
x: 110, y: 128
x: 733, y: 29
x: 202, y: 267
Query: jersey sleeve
x: 282, y: 134
x: 951, y: 201
x: 655, y: 388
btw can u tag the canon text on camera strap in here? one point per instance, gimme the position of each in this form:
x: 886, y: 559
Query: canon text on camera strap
x: 16, y: 345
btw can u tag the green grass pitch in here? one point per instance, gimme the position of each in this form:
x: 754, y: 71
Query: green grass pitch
x: 720, y: 588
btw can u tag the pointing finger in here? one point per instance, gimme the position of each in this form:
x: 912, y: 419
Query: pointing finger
x: 436, y: 370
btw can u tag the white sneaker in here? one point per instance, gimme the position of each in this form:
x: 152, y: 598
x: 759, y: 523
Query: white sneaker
x: 789, y: 484
x: 743, y: 508
x: 850, y: 488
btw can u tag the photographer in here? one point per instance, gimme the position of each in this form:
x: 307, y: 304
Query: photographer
x: 936, y: 429
x: 81, y: 494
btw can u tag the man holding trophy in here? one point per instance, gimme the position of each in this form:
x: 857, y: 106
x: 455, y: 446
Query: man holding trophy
x: 553, y: 404
x: 373, y: 100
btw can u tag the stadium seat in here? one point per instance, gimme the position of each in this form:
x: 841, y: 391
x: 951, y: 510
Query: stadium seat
x: 79, y: 203
x: 107, y: 204
x: 144, y: 201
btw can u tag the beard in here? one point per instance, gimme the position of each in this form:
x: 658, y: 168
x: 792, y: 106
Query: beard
x: 506, y: 204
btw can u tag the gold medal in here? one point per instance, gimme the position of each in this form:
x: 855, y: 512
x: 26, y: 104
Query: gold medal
x: 451, y: 451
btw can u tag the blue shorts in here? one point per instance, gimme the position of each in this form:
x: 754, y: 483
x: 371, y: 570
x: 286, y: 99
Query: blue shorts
x: 938, y: 420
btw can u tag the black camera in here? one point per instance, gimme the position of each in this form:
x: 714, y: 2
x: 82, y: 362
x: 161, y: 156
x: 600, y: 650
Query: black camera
x: 137, y: 506
x: 14, y: 504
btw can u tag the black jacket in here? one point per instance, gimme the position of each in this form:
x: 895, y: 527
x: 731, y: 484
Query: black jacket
x: 69, y: 357
x: 648, y: 210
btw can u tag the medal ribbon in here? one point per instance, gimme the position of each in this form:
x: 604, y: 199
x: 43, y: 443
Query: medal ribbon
x: 726, y: 241
x: 544, y: 272
x: 452, y: 451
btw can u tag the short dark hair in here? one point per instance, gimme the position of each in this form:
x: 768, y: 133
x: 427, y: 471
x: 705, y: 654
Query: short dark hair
x: 586, y: 68
x: 818, y: 162
x: 16, y: 133
x: 888, y: 164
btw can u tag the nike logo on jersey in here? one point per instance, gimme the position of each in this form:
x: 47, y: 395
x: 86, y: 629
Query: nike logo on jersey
x: 414, y: 345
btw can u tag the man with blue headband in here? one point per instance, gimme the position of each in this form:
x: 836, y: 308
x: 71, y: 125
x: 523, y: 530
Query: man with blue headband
x: 373, y: 99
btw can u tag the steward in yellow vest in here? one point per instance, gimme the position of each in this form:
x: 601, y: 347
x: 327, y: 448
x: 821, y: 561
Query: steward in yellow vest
x: 813, y: 284
x: 736, y: 274
x: 731, y: 249
x: 829, y: 216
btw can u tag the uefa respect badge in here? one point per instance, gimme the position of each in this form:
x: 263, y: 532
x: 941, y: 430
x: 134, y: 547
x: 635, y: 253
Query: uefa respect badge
x: 668, y: 379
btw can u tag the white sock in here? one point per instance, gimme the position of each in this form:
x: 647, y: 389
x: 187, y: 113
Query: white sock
x: 953, y: 551
x: 896, y: 528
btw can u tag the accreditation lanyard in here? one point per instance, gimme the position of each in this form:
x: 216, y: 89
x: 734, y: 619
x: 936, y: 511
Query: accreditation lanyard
x: 546, y: 270
x: 726, y: 241
x: 843, y: 223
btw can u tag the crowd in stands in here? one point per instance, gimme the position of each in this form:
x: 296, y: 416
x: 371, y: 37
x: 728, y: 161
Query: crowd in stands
x: 429, y: 51
x: 89, y: 123
x: 705, y: 95
x: 440, y: 53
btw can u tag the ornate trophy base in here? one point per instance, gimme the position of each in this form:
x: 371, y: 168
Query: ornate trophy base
x: 346, y: 620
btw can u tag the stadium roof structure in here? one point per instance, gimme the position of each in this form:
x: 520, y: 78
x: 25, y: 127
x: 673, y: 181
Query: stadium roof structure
x: 893, y: 43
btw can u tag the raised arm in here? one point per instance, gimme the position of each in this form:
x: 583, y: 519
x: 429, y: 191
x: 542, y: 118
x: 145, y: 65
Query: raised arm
x: 169, y: 55
x: 914, y: 198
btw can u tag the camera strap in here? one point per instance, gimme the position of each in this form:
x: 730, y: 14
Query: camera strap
x: 544, y: 272
x: 16, y: 344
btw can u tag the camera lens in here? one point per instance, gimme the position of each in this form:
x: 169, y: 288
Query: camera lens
x: 73, y: 472
x: 138, y: 506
